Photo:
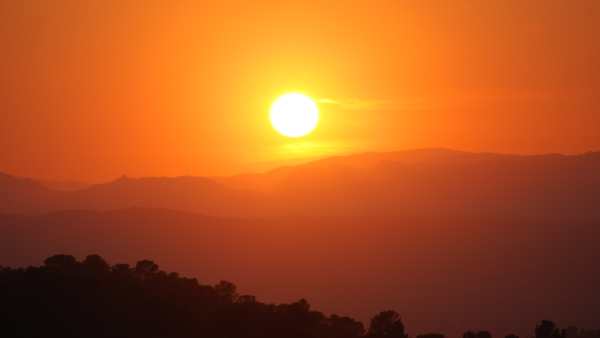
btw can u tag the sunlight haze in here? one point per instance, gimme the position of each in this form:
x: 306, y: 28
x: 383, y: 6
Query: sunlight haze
x: 183, y: 88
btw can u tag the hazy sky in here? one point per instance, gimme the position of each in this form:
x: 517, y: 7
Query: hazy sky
x: 94, y: 89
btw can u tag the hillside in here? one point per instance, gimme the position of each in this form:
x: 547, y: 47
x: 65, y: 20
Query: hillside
x: 91, y: 298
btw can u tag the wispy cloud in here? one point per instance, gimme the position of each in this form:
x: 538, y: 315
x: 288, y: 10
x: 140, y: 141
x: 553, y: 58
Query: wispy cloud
x: 371, y: 104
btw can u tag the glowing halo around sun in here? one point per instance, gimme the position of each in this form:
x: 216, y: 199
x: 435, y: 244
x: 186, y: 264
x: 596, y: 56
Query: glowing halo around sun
x: 294, y: 115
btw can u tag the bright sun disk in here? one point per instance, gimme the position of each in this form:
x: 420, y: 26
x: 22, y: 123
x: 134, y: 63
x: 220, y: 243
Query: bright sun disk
x: 294, y: 115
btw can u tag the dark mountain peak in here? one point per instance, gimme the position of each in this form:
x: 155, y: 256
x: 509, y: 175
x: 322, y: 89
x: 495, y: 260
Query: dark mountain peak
x: 435, y: 160
x: 14, y: 185
x: 184, y: 182
x: 19, y: 195
x: 14, y: 181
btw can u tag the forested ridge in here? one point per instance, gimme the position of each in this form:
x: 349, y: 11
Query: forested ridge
x: 68, y: 298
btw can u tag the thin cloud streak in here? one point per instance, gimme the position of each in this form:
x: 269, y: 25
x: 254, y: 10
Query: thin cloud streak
x: 352, y: 104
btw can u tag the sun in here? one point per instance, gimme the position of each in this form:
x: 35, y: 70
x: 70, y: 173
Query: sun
x: 294, y: 115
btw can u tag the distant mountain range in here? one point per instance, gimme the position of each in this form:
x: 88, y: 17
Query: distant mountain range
x: 369, y: 185
x: 447, y: 238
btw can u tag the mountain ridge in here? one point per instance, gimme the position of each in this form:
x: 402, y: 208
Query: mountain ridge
x: 5, y: 176
x: 330, y: 185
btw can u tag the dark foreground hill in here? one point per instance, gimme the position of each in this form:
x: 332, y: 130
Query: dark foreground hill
x: 444, y: 274
x: 66, y: 298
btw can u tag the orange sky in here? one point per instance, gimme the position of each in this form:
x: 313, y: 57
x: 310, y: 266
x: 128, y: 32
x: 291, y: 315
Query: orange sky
x: 91, y: 90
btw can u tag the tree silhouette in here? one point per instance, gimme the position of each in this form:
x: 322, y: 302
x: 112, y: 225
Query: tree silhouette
x: 345, y: 327
x: 479, y: 334
x: 387, y: 324
x: 146, y: 267
x: 121, y: 268
x: 431, y: 335
x: 226, y: 291
x: 547, y: 329
x: 68, y: 299
x: 95, y: 262
x: 60, y: 262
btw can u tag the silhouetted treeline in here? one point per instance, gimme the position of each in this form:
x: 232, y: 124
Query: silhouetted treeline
x: 66, y: 298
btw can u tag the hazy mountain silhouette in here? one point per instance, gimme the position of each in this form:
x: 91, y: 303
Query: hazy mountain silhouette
x: 197, y: 194
x: 24, y: 195
x: 372, y: 185
x: 68, y: 185
x: 453, y: 240
x: 390, y: 184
